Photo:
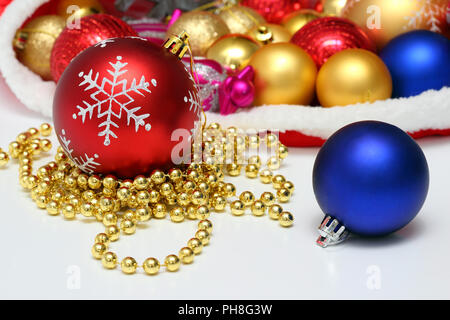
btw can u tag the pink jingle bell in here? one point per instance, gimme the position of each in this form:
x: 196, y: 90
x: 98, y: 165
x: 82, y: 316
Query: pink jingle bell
x: 237, y: 91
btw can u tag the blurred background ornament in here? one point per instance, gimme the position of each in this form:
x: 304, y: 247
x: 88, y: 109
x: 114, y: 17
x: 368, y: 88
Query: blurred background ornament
x: 240, y: 19
x: 323, y: 37
x: 233, y: 51
x: 93, y: 29
x: 269, y: 33
x: 202, y: 27
x: 210, y: 75
x: 371, y: 177
x: 237, y: 91
x: 158, y: 9
x: 353, y: 76
x: 284, y: 74
x: 418, y: 61
x: 275, y: 10
x: 124, y: 127
x: 34, y: 42
x: 296, y: 20
x: 78, y: 8
x: 150, y: 28
x: 383, y: 20
x: 332, y: 7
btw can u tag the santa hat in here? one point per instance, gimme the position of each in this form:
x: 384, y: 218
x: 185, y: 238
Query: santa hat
x: 422, y: 115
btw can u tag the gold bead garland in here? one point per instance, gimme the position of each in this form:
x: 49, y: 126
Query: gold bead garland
x: 188, y: 192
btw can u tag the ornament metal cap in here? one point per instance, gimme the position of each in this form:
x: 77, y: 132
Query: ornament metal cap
x: 264, y: 35
x: 331, y: 232
x: 178, y: 44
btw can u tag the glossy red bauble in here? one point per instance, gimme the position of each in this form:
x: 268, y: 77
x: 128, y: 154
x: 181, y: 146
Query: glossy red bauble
x: 118, y: 103
x: 275, y: 10
x: 323, y: 37
x: 91, y: 30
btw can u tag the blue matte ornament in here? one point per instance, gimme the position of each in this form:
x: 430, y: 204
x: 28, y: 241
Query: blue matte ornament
x: 418, y: 61
x: 370, y: 178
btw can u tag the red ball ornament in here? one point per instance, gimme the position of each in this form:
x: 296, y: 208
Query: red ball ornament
x: 118, y: 103
x: 323, y: 37
x: 92, y: 29
x: 275, y: 10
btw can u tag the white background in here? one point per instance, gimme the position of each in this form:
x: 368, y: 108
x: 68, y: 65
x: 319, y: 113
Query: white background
x: 248, y: 258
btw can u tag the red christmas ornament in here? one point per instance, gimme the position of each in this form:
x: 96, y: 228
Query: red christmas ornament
x: 118, y: 103
x: 92, y: 29
x: 275, y: 10
x: 323, y: 37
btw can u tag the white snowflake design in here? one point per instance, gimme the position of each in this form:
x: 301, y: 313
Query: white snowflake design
x: 88, y: 164
x: 428, y: 10
x: 109, y: 101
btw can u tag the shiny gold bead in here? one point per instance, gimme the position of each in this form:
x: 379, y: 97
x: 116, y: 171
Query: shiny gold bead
x: 186, y: 255
x: 68, y: 211
x: 286, y: 219
x: 172, y: 263
x: 273, y: 163
x: 198, y: 197
x: 34, y: 148
x: 110, y: 219
x: 154, y: 196
x: 94, y: 182
x: 203, y: 236
x: 158, y: 177
x: 166, y: 189
x: 140, y: 183
x: 43, y: 187
x: 277, y: 181
x: 196, y: 245
x: 110, y: 182
x: 183, y: 199
x: 106, y: 204
x: 42, y: 172
x: 251, y: 171
x: 205, y: 225
x: 52, y: 165
x: 127, y: 184
x: 253, y: 141
x: 229, y: 190
x: 53, y: 208
x: 25, y: 168
x: 266, y: 176
x: 247, y: 198
x: 60, y: 156
x: 233, y: 169
x: 282, y: 151
x: 283, y: 195
x: 46, y: 145
x: 202, y: 212
x: 271, y: 140
x: 32, y: 182
x: 275, y: 211
x: 160, y: 211
x: 108, y: 192
x: 23, y: 161
x: 123, y: 194
x: 23, y: 137
x: 128, y: 226
x: 15, y: 149
x: 113, y: 233
x: 189, y: 185
x: 219, y: 203
x: 191, y: 212
x: 4, y: 159
x: 151, y: 266
x: 175, y: 174
x: 98, y: 214
x: 268, y: 198
x: 288, y: 185
x: 98, y: 250
x: 87, y: 209
x: 132, y: 202
x: 143, y: 197
x: 59, y: 175
x: 237, y: 208
x: 34, y: 194
x: 57, y: 195
x: 23, y: 180
x: 33, y: 132
x: 102, y: 238
x: 88, y: 195
x: 255, y: 160
x: 109, y: 260
x: 203, y: 187
x: 177, y: 214
x: 258, y: 208
x: 45, y: 129
x: 130, y: 215
x: 143, y: 214
x: 41, y: 201
x: 128, y: 265
x: 193, y: 175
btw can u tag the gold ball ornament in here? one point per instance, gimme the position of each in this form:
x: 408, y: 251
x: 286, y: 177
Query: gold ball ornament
x: 333, y: 7
x: 202, y: 27
x: 284, y: 74
x: 151, y: 266
x: 78, y: 8
x: 383, y: 20
x: 34, y: 42
x: 297, y: 19
x: 353, y: 76
x: 233, y: 51
x: 269, y: 33
x: 240, y: 19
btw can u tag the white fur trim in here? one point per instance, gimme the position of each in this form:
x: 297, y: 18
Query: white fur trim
x: 429, y: 110
x: 29, y: 88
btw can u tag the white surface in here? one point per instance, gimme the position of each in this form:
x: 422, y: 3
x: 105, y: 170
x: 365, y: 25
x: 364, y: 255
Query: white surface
x: 248, y: 258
